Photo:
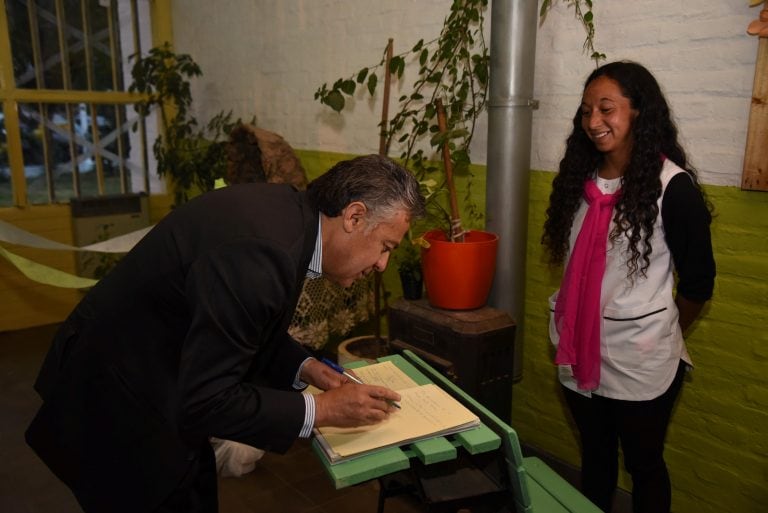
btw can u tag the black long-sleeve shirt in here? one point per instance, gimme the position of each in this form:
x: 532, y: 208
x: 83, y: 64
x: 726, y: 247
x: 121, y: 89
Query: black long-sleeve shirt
x: 686, y: 222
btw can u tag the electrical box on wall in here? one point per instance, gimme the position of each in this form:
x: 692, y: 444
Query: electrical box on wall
x: 102, y: 218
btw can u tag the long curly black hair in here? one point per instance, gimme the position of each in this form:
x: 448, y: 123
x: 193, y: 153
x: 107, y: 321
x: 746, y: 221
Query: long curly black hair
x: 653, y: 134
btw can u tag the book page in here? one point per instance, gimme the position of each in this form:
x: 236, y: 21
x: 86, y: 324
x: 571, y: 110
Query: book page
x: 426, y: 411
x: 386, y: 374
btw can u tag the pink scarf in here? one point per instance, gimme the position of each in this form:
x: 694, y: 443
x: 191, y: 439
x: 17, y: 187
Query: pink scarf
x: 577, y: 311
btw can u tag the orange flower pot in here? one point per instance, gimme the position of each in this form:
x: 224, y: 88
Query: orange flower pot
x: 459, y: 275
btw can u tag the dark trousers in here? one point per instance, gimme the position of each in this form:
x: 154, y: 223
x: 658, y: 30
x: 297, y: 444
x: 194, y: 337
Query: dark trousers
x: 641, y: 427
x: 198, y: 491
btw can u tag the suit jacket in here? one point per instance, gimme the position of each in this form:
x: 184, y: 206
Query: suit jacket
x: 185, y: 339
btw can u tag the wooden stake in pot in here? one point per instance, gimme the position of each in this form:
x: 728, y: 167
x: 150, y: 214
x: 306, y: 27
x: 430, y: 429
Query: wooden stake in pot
x: 457, y: 233
x: 377, y: 284
x: 385, y: 107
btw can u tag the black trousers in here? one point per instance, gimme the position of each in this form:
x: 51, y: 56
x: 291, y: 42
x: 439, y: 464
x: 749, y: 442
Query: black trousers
x: 641, y: 427
x: 198, y: 491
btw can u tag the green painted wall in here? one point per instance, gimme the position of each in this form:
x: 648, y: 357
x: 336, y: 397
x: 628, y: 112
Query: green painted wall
x: 717, y: 448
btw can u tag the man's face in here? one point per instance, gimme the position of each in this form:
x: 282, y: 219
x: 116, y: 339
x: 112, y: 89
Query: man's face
x: 351, y: 250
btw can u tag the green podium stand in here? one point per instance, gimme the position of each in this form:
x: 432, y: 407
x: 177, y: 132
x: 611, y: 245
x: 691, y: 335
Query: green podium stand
x: 481, y: 466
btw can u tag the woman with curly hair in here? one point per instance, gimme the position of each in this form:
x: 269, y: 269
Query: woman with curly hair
x: 627, y: 217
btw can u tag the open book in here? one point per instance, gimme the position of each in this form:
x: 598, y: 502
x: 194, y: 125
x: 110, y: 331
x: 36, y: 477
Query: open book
x: 425, y: 411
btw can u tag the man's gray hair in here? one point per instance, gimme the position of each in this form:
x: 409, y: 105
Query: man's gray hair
x: 381, y: 184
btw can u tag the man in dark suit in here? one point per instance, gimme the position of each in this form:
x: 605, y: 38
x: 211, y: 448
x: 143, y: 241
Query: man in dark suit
x: 186, y: 339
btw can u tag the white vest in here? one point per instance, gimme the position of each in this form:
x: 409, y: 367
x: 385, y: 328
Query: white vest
x: 641, y: 343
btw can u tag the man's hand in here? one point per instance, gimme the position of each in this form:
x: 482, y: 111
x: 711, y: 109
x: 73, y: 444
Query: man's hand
x: 320, y: 375
x: 354, y: 405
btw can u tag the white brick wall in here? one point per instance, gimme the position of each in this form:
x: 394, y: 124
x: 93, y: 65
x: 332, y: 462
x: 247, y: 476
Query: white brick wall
x: 267, y: 58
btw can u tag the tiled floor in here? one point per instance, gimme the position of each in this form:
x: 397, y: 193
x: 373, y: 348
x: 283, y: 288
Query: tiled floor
x: 291, y: 483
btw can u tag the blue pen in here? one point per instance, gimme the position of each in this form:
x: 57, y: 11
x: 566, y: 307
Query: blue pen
x: 338, y: 368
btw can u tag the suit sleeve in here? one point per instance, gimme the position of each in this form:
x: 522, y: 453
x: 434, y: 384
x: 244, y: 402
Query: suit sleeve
x: 288, y: 354
x: 238, y: 296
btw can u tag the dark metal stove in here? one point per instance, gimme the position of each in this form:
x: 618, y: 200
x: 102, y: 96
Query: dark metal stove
x: 473, y: 348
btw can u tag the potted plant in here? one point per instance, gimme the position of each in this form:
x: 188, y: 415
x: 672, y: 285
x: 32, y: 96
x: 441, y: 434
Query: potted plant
x: 452, y: 69
x: 408, y: 261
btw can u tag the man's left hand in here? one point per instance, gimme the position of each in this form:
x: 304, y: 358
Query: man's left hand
x: 320, y: 375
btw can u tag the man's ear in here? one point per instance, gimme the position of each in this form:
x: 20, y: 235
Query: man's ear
x: 353, y: 216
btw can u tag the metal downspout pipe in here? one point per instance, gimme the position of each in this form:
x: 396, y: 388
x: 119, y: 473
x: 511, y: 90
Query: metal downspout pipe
x: 510, y: 116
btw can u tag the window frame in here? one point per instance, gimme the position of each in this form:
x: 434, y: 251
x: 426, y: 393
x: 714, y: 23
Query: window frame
x: 12, y: 96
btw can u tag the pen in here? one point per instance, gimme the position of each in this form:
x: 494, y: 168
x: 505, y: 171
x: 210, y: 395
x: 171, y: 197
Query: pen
x: 338, y: 368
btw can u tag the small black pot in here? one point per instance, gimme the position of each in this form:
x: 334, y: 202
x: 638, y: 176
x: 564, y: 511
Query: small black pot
x: 413, y: 284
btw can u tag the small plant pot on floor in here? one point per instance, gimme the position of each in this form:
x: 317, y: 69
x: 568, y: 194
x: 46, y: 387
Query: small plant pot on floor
x: 366, y: 347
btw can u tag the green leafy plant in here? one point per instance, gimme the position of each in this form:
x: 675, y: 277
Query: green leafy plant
x: 454, y: 67
x: 408, y: 260
x: 192, y: 156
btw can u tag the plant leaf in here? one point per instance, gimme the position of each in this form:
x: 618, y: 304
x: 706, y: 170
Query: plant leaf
x: 545, y: 5
x: 423, y: 57
x: 348, y: 87
x: 393, y: 64
x: 372, y: 80
x: 335, y: 100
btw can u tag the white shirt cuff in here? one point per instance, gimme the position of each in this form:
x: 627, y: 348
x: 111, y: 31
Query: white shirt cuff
x: 309, y: 416
x: 298, y: 384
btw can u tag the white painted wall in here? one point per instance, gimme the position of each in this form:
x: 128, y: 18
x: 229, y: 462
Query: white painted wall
x: 268, y: 57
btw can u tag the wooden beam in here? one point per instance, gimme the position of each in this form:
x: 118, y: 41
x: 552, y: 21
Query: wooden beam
x: 755, y: 174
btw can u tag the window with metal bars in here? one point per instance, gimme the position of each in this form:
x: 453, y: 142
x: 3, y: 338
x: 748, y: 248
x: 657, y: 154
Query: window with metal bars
x: 69, y: 128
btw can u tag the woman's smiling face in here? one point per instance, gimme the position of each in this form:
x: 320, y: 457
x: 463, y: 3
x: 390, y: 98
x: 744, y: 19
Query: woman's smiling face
x: 607, y: 116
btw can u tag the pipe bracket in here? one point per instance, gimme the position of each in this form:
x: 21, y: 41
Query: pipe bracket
x: 514, y: 102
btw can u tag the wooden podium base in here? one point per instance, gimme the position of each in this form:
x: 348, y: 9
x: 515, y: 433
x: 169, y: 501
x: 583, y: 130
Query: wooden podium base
x: 473, y: 348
